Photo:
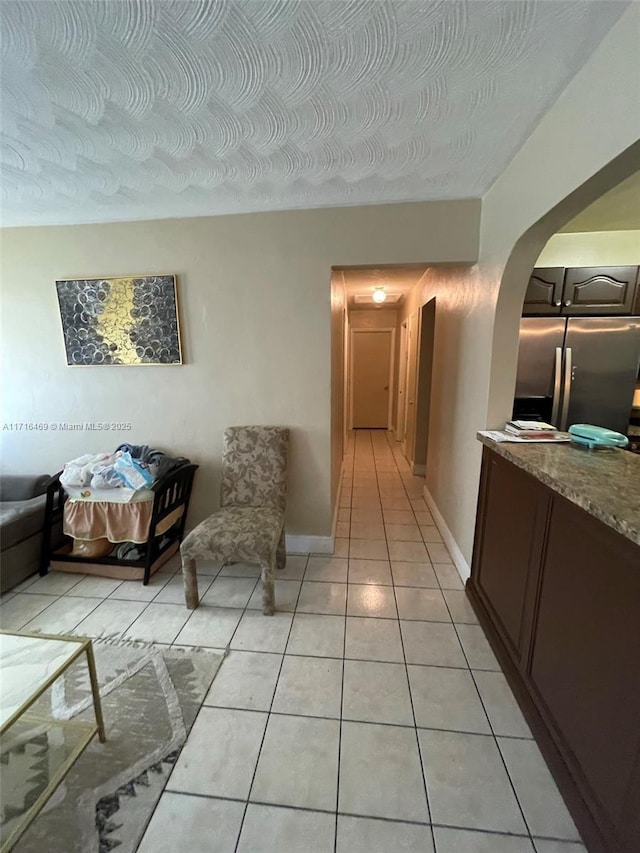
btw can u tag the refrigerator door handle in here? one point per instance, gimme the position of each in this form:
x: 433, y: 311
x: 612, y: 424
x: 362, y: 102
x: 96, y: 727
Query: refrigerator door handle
x: 557, y: 382
x: 566, y: 396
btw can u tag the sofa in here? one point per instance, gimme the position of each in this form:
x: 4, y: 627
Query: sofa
x: 22, y: 506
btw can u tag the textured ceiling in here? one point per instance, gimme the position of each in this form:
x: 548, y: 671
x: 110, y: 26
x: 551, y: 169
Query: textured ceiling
x: 130, y: 109
x: 617, y: 210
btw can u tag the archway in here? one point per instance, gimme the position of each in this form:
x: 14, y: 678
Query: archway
x: 518, y: 268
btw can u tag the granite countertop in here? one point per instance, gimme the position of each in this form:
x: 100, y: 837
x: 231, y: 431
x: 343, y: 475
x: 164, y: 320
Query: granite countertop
x: 605, y: 483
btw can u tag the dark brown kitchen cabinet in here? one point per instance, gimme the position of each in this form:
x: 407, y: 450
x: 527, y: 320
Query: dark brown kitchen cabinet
x: 583, y: 291
x: 599, y: 290
x: 585, y: 658
x: 558, y: 593
x: 506, y: 550
x: 544, y: 291
x: 636, y: 303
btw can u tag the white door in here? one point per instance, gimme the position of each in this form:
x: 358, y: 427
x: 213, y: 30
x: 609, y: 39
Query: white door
x: 371, y: 378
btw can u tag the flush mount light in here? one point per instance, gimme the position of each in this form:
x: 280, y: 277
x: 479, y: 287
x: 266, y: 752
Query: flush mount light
x: 379, y: 295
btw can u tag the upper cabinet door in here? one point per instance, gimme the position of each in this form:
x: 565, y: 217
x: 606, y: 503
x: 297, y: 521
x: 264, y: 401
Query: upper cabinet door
x: 599, y: 290
x: 544, y: 292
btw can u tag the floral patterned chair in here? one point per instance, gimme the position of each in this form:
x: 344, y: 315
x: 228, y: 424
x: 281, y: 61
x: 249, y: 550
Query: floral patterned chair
x: 249, y: 527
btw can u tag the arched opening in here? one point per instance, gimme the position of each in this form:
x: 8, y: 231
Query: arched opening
x: 518, y: 269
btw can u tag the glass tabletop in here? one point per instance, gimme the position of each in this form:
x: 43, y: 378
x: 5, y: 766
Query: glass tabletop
x: 26, y: 663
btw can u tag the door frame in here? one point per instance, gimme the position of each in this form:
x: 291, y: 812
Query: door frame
x: 413, y: 358
x: 346, y: 388
x: 403, y: 373
x: 392, y: 360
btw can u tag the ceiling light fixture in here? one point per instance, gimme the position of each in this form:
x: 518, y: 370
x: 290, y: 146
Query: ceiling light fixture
x: 379, y: 295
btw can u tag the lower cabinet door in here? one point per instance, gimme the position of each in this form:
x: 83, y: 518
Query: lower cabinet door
x: 630, y: 827
x: 585, y: 661
x: 511, y: 503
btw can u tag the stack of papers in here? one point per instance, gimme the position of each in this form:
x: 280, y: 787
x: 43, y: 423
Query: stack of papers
x: 529, y: 428
x: 528, y: 432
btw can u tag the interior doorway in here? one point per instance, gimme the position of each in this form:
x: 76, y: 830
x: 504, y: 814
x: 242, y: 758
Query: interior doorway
x: 401, y: 416
x: 420, y: 340
x: 410, y: 387
x: 424, y: 375
x: 372, y: 352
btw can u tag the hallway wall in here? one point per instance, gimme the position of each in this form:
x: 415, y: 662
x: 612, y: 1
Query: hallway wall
x: 478, y: 309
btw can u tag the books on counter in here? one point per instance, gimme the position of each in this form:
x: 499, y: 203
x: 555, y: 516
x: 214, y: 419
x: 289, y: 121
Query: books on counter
x: 527, y: 431
x: 531, y: 429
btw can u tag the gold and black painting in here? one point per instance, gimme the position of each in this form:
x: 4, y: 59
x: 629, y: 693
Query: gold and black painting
x: 126, y: 320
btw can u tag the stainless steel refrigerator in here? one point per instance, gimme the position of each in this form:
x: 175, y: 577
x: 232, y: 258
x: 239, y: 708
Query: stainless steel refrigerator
x: 578, y: 370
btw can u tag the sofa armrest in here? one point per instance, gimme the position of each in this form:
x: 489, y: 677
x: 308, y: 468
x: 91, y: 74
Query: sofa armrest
x: 23, y: 487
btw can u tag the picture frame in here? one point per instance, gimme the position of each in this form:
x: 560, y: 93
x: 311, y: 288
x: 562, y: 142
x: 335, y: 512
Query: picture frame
x: 120, y: 320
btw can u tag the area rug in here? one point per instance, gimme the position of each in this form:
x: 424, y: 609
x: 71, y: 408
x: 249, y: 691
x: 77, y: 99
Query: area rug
x: 150, y: 699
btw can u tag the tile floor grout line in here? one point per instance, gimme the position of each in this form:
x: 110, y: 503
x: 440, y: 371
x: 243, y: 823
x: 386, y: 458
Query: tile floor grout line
x: 344, y: 652
x: 266, y: 725
x: 366, y: 816
x: 244, y: 610
x: 23, y: 625
x: 71, y: 629
x: 123, y: 634
x: 144, y: 610
x: 495, y: 739
x: 364, y: 722
x: 415, y: 722
x: 198, y: 713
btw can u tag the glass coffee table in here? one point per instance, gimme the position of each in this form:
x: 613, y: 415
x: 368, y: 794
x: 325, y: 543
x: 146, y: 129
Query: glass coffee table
x: 38, y: 743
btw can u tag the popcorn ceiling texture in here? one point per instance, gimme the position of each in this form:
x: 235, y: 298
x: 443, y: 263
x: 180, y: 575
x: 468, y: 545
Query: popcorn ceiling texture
x: 132, y: 109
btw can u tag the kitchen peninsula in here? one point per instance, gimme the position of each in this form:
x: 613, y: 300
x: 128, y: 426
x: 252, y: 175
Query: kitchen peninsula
x: 555, y: 582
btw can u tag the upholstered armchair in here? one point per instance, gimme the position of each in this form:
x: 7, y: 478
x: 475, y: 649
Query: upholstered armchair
x: 249, y: 527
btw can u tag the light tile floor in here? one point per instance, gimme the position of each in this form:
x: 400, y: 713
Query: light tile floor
x: 368, y: 715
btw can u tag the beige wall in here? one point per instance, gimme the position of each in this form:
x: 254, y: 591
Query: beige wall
x: 551, y: 178
x: 256, y: 327
x: 591, y: 249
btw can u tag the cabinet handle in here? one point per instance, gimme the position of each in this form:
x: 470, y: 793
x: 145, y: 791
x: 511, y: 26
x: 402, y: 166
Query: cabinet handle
x: 558, y: 303
x: 567, y: 303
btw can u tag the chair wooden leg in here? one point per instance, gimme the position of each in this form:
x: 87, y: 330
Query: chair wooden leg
x: 281, y: 553
x: 268, y: 591
x: 190, y: 582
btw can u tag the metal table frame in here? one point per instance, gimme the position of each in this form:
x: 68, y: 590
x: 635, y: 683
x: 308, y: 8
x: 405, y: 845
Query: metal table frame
x: 84, y: 647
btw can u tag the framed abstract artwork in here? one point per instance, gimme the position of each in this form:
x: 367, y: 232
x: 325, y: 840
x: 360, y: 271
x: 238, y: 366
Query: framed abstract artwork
x: 126, y: 320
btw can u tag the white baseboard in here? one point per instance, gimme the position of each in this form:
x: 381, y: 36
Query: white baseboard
x: 309, y: 544
x: 419, y: 470
x: 464, y: 570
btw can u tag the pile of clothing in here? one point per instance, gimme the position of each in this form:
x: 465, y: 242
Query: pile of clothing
x: 131, y: 465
